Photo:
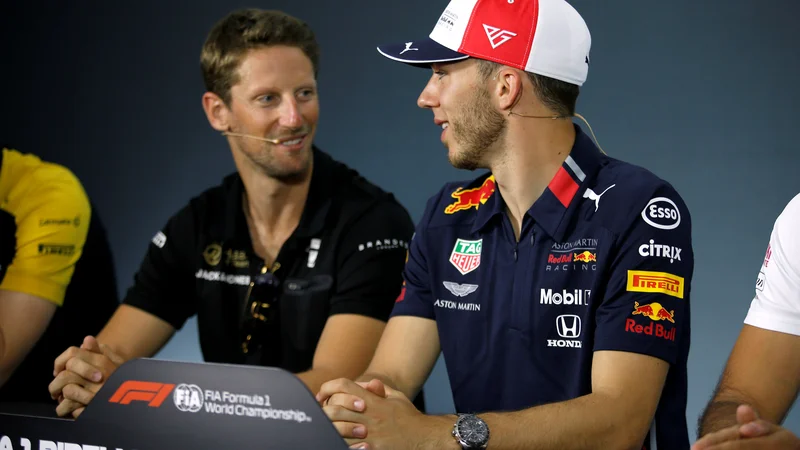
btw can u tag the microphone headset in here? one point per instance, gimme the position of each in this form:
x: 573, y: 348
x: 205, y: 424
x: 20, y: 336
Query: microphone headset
x: 564, y: 117
x: 272, y: 141
x: 510, y: 112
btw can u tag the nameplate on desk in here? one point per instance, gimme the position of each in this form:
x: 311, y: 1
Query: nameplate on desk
x: 153, y: 404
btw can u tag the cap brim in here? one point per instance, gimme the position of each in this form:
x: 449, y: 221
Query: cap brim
x: 421, y: 53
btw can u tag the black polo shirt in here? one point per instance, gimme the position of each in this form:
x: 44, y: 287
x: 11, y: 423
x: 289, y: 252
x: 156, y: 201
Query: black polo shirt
x: 345, y: 257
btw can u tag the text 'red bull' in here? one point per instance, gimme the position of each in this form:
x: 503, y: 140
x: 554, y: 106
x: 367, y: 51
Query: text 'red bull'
x: 468, y: 198
x: 656, y: 313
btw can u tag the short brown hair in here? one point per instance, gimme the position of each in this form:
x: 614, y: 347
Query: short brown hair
x: 247, y: 29
x: 557, y: 95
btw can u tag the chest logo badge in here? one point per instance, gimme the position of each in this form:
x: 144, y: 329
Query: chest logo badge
x: 466, y: 255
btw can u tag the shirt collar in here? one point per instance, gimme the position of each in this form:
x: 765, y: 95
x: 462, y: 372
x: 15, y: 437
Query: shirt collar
x: 312, y: 221
x: 557, y: 201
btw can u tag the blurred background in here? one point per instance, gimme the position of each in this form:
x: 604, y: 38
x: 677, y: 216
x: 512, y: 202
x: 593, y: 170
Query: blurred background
x: 700, y: 93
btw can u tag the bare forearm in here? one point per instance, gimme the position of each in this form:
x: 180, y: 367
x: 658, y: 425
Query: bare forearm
x: 385, y: 379
x: 718, y: 416
x: 314, y: 378
x: 588, y: 422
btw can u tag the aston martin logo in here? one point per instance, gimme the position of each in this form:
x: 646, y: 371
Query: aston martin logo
x: 460, y: 290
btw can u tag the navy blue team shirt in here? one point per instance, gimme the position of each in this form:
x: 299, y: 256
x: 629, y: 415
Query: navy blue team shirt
x: 604, y: 262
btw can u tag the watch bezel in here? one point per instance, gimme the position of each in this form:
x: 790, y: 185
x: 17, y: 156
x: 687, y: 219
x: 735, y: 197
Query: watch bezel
x: 461, y: 423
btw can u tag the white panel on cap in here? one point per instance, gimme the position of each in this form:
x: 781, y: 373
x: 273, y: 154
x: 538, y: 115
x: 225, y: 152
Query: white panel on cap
x: 561, y: 43
x: 452, y: 24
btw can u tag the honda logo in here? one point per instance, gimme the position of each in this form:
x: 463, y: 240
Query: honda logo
x: 568, y: 326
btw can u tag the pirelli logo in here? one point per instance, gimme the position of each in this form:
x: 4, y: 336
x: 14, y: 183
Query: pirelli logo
x: 656, y: 282
x: 56, y: 249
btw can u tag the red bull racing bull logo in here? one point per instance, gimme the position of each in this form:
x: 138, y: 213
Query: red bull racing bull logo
x: 586, y: 257
x: 468, y: 198
x: 655, y: 282
x: 656, y: 313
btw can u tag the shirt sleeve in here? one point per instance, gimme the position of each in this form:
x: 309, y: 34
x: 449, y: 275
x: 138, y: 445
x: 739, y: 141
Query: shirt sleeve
x: 645, y: 308
x: 776, y: 305
x: 164, y: 285
x: 371, y: 259
x: 52, y: 218
x: 416, y: 297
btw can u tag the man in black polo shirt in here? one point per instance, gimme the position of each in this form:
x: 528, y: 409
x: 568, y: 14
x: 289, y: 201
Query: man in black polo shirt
x: 295, y: 261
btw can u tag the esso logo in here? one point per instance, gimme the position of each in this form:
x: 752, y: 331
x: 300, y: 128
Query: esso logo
x: 662, y: 213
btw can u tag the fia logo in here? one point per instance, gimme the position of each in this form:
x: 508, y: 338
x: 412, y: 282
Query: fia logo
x: 188, y: 397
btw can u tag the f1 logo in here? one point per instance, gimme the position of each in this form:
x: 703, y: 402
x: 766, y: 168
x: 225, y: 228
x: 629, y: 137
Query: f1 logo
x: 568, y: 326
x: 142, y: 391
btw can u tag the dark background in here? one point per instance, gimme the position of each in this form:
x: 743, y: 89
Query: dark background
x: 700, y: 92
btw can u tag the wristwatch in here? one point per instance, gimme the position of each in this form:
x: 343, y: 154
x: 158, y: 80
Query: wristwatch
x: 471, y: 432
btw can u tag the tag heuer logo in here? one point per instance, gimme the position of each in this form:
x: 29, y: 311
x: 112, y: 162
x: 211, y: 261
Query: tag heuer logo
x: 466, y: 255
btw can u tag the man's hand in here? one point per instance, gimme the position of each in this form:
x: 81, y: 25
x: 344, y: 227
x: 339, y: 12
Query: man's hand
x: 750, y: 432
x: 79, y: 375
x: 375, y: 416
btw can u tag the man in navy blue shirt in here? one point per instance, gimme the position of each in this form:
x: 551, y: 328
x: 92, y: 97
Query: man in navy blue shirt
x: 556, y: 285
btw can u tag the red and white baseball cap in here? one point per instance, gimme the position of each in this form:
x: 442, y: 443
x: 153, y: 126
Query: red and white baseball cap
x: 545, y: 37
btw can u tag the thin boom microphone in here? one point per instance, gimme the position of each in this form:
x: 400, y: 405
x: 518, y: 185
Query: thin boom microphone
x: 273, y: 141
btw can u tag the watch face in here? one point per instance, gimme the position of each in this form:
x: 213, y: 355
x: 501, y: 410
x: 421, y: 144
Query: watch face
x: 473, y: 431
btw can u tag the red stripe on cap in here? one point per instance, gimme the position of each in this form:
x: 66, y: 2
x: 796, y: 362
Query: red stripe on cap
x: 501, y: 31
x: 563, y: 187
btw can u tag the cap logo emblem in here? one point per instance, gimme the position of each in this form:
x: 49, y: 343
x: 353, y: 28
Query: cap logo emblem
x: 408, y: 48
x: 497, y: 37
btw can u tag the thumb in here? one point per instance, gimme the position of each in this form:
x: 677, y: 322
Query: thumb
x: 746, y: 414
x: 91, y: 344
x: 757, y: 428
x: 394, y: 393
x: 375, y: 386
x: 110, y: 354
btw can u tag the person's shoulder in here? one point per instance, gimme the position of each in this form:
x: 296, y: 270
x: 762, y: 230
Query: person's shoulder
x: 788, y: 223
x: 48, y: 179
x: 355, y: 193
x: 791, y: 213
x: 630, y: 192
x: 217, y: 196
x: 46, y: 191
x: 457, y: 202
x: 355, y: 185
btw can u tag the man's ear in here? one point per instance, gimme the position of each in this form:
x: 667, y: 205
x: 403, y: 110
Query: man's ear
x: 217, y: 111
x: 507, y: 87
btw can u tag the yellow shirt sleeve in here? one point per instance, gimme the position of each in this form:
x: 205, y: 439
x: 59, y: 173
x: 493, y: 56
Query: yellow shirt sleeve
x: 52, y: 214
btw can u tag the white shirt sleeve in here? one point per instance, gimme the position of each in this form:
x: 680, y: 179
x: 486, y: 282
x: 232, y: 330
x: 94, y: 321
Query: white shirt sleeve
x: 776, y: 305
